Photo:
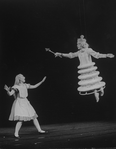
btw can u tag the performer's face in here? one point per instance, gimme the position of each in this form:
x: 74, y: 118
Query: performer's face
x: 22, y: 78
x: 86, y: 45
x: 78, y: 46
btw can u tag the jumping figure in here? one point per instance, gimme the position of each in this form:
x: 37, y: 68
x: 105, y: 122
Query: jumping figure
x: 90, y: 82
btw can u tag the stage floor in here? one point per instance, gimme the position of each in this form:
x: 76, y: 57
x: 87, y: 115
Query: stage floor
x: 71, y: 135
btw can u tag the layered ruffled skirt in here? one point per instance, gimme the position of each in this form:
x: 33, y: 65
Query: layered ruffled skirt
x: 22, y: 110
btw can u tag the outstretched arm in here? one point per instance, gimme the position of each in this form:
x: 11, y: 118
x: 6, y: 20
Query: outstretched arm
x: 67, y: 55
x: 99, y: 55
x: 38, y: 84
x: 10, y: 93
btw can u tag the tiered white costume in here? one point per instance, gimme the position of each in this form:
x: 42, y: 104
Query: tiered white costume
x: 22, y: 110
x: 89, y: 79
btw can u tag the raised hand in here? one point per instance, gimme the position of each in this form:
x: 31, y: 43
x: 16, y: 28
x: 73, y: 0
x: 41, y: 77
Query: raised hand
x: 6, y: 87
x: 44, y: 79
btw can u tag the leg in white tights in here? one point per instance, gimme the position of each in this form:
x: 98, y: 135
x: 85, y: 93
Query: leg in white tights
x: 96, y: 95
x: 102, y: 91
x: 17, y: 128
x: 37, y: 125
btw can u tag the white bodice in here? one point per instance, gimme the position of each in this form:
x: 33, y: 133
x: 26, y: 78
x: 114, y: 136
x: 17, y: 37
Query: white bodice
x: 84, y: 57
x: 23, y: 93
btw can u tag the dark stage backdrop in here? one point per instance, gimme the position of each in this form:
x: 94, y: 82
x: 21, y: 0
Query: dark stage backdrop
x: 27, y: 27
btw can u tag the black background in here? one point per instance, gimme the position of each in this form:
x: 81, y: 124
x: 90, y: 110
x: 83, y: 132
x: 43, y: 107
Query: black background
x: 27, y: 27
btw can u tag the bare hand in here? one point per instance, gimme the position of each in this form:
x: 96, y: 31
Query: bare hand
x: 44, y: 79
x: 58, y: 54
x: 110, y: 55
x: 6, y: 88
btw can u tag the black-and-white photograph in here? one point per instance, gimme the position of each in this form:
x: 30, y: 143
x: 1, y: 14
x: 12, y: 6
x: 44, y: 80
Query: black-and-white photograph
x: 57, y: 74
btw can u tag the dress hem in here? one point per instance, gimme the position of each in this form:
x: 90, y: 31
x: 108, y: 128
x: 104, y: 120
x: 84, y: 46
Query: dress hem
x: 22, y: 118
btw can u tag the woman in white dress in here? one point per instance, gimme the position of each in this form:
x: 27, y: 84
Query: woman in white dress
x: 90, y: 82
x: 21, y: 109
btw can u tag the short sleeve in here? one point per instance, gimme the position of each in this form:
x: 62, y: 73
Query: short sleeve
x: 15, y: 88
